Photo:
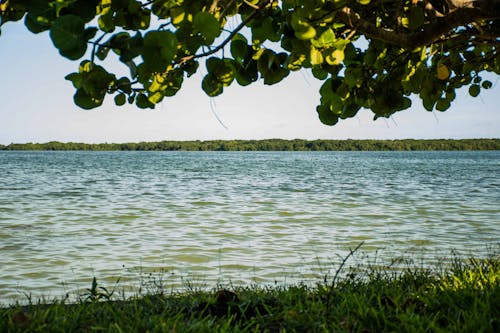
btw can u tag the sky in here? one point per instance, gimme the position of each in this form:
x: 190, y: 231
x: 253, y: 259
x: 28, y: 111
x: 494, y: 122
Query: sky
x: 36, y: 105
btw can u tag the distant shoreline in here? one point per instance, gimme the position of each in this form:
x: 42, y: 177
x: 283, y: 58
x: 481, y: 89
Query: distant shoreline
x: 268, y: 145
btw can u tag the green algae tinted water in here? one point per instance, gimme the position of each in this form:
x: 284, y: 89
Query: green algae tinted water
x: 240, y: 217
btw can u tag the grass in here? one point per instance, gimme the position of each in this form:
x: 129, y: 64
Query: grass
x: 464, y: 297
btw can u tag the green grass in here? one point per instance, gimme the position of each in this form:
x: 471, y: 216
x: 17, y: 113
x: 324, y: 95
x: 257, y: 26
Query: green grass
x: 464, y: 297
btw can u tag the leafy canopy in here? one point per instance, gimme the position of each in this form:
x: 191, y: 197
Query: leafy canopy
x: 370, y: 54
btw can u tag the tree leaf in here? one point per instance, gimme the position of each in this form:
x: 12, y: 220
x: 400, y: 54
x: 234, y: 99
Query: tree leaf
x: 67, y: 34
x: 120, y: 99
x: 442, y: 104
x: 85, y: 101
x: 207, y: 25
x: 303, y: 29
x: 239, y: 49
x: 474, y: 90
x: 326, y: 116
x: 211, y: 86
x: 486, y: 84
x: 335, y: 57
x: 316, y: 56
x: 325, y: 40
x: 143, y: 102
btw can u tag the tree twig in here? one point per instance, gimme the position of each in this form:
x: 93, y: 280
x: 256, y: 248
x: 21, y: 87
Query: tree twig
x: 228, y: 38
x: 429, y: 33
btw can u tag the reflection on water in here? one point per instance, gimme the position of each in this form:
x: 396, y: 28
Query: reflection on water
x: 240, y: 217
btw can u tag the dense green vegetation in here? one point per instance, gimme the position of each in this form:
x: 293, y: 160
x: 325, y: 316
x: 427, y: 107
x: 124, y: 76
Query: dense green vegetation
x: 465, y: 298
x: 271, y: 145
x: 368, y: 54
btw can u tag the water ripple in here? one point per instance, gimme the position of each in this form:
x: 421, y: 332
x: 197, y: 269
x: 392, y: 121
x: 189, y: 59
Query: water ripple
x: 240, y: 217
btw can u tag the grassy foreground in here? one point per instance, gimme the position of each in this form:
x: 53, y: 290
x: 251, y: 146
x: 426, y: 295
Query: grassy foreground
x: 464, y: 298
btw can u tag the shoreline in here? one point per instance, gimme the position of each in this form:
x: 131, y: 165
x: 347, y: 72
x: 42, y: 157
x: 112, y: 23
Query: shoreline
x: 268, y: 145
x: 464, y: 297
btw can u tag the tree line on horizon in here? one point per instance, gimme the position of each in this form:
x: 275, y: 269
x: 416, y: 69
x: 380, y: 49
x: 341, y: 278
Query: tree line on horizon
x: 269, y: 145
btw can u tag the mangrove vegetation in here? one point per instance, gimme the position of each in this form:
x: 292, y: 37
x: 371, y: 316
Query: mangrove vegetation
x: 271, y: 145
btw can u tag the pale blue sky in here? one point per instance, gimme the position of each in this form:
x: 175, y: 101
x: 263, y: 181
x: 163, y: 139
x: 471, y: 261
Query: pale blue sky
x: 36, y: 106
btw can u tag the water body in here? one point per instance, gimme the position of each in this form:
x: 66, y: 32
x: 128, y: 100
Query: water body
x: 244, y: 217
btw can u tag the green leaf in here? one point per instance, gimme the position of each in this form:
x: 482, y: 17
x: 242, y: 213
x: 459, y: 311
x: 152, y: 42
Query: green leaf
x: 416, y: 17
x: 35, y: 25
x: 354, y: 76
x: 89, y: 33
x: 85, y: 101
x: 124, y: 84
x: 75, y: 78
x: 177, y: 14
x: 350, y: 110
x: 239, y: 49
x: 319, y: 73
x: 120, y: 99
x: 206, y: 24
x: 68, y: 35
x: 163, y: 41
x: 106, y: 22
x: 190, y: 67
x: 102, y: 52
x: 160, y: 48
x: 316, y: 57
x: 211, y: 86
x: 428, y: 103
x: 265, y: 30
x: 156, y: 97
x: 303, y: 29
x: 474, y: 90
x: 212, y: 63
x: 143, y: 102
x: 451, y: 95
x: 86, y: 9
x: 247, y: 73
x: 270, y: 65
x: 223, y: 69
x: 487, y: 84
x: 335, y: 57
x: 442, y: 104
x: 326, y: 116
x: 325, y: 40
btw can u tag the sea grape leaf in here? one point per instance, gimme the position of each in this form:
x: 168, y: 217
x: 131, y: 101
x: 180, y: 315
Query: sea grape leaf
x: 120, y: 99
x: 239, y: 49
x: 84, y: 100
x: 325, y: 40
x: 474, y: 90
x: 326, y: 116
x: 207, y: 25
x: 143, y: 102
x: 68, y: 35
x: 211, y: 86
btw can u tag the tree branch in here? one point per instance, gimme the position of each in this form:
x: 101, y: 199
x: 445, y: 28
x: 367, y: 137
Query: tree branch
x: 228, y: 38
x: 430, y: 33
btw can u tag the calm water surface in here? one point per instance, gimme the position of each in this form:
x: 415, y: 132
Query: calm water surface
x: 211, y: 217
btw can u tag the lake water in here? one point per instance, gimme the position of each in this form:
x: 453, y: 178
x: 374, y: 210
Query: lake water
x: 240, y: 217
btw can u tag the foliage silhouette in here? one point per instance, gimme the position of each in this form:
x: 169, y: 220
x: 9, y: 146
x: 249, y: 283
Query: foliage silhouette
x: 371, y: 54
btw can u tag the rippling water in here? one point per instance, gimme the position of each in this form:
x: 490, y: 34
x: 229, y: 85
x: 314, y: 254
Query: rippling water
x: 233, y: 216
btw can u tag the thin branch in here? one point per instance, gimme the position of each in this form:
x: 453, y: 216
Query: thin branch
x: 94, y: 48
x: 226, y: 7
x: 228, y: 38
x: 430, y: 8
x: 430, y: 32
x: 334, y: 280
x: 166, y: 24
x: 251, y: 4
x: 213, y: 7
x: 148, y: 3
